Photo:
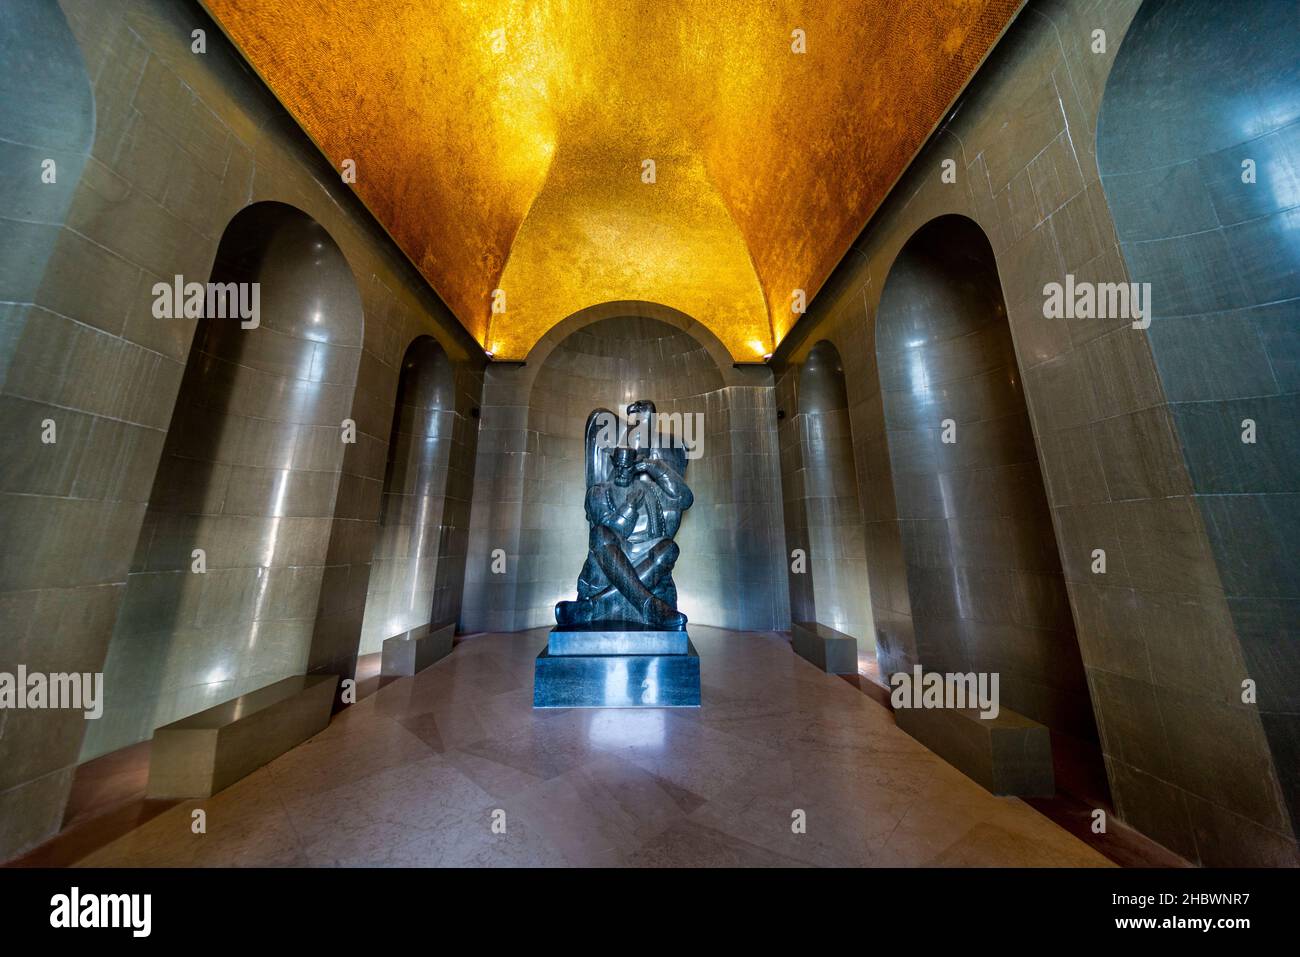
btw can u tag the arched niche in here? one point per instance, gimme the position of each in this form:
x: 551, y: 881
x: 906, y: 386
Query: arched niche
x: 249, y: 474
x: 1197, y: 142
x: 834, y: 591
x: 529, y: 478
x: 822, y: 388
x: 983, y: 571
x: 638, y: 308
x: 610, y: 363
x: 404, y: 575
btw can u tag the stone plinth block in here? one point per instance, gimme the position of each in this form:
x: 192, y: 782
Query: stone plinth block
x: 645, y: 678
x: 412, y: 651
x: 1009, y: 754
x: 199, y: 755
x: 832, y: 651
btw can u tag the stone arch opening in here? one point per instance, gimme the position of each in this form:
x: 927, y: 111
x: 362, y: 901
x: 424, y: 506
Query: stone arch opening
x: 610, y: 363
x: 249, y: 474
x: 983, y: 568
x: 645, y: 309
x: 407, y: 587
x: 835, y: 591
x: 530, y: 467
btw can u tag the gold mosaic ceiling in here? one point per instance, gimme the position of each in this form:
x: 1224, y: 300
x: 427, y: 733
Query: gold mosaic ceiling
x: 503, y: 143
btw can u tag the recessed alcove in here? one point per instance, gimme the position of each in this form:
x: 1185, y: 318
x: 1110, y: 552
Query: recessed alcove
x: 983, y: 571
x: 609, y: 364
x: 530, y: 484
x: 824, y: 517
x: 249, y: 474
x: 404, y: 571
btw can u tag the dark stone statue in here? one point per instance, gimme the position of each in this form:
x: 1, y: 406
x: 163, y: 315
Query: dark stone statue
x: 623, y: 643
x: 636, y: 494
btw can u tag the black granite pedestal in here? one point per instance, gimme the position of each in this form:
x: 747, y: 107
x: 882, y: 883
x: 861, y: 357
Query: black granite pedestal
x: 615, y: 664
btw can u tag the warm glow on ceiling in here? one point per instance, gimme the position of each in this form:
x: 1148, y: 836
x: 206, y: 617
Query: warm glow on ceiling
x: 503, y: 143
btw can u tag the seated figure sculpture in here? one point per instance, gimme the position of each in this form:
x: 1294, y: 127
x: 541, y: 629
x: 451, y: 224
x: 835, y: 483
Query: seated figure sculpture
x: 634, y: 504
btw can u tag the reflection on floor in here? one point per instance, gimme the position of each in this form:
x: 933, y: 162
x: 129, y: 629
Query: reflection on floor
x: 369, y: 679
x: 107, y: 801
x: 1079, y: 794
x: 413, y: 774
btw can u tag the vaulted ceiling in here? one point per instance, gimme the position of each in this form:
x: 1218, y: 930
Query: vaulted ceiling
x: 504, y: 143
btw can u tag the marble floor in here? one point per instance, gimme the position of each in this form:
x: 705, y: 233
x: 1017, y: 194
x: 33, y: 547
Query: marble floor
x: 418, y: 772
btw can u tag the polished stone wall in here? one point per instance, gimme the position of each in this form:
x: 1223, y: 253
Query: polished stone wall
x: 983, y: 572
x: 180, y: 142
x: 425, y: 493
x: 47, y: 114
x: 819, y: 489
x: 47, y: 109
x: 1199, y: 89
x: 1188, y: 763
x: 249, y: 474
x: 529, y: 479
x: 159, y: 148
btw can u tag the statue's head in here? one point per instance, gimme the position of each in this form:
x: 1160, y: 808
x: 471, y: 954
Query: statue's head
x: 641, y: 423
x: 623, y: 459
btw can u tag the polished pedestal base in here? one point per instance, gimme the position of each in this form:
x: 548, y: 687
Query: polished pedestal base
x: 832, y: 651
x: 412, y: 651
x: 602, y: 665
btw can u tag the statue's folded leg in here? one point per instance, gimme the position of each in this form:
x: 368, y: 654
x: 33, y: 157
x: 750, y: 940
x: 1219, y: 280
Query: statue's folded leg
x: 591, y: 580
x: 651, y: 570
x: 658, y: 562
x: 607, y: 550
